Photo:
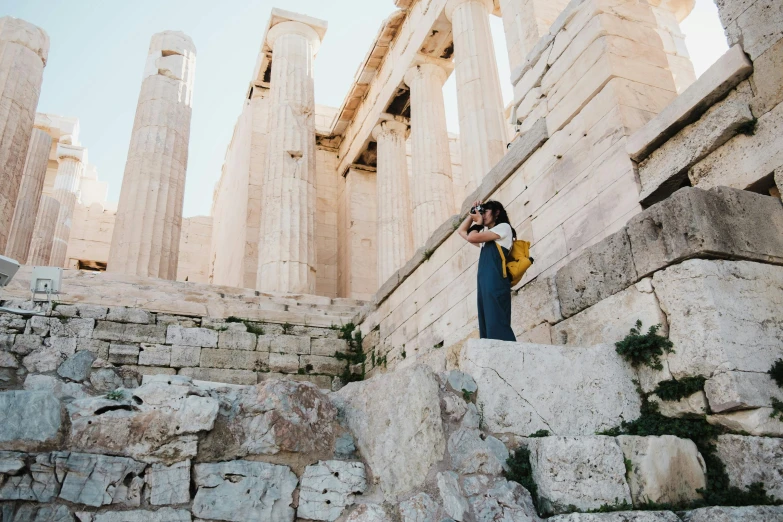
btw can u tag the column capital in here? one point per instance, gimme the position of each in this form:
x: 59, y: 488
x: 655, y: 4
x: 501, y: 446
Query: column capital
x: 422, y: 64
x: 173, y: 42
x: 74, y: 152
x: 453, y: 4
x: 390, y: 125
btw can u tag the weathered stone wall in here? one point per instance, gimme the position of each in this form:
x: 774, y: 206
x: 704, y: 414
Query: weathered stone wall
x: 194, y: 243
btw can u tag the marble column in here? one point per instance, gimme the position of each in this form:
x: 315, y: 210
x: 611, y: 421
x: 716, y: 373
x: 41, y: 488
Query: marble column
x: 432, y: 197
x: 23, y: 52
x: 483, y: 134
x: 147, y: 230
x: 524, y: 23
x: 287, y: 245
x: 395, y: 233
x: 29, y: 197
x: 43, y: 233
x: 71, y: 160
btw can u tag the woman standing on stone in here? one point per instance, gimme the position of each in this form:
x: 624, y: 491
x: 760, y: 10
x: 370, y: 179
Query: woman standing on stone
x: 490, y: 225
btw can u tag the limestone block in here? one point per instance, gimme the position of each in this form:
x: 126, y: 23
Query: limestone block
x: 24, y: 344
x: 585, y: 472
x: 722, y: 316
x: 728, y: 71
x: 38, y: 482
x: 106, y: 380
x: 99, y: 480
x: 665, y: 170
x: 175, y: 410
x: 185, y: 322
x: 745, y: 159
x: 222, y: 491
x: 454, y: 503
x: 64, y: 391
x: 419, y: 508
x: 36, y: 513
x: 220, y: 375
x: 320, y: 364
x: 77, y: 367
x: 620, y: 516
x: 505, y: 372
x: 290, y: 344
x: 236, y: 340
x: 609, y: 320
x: 49, y: 358
x: 729, y: 391
x: 99, y: 348
x: 754, y: 422
x: 664, y: 470
x: 183, y: 356
x: 85, y: 311
x: 138, y: 515
x: 472, y: 454
x: 328, y: 347
x: 399, y: 440
x: 504, y: 500
x: 130, y: 333
x: 756, y: 28
x: 597, y: 273
x: 735, y: 514
x: 154, y: 355
x: 122, y: 314
x: 234, y: 359
x: 692, y: 406
x: 283, y: 362
x: 328, y: 487
x: 203, y: 337
x: 369, y: 513
x: 169, y: 484
x: 534, y: 304
x: 272, y: 417
x: 123, y: 353
x: 753, y: 459
x: 7, y: 360
x: 721, y: 222
x: 767, y: 79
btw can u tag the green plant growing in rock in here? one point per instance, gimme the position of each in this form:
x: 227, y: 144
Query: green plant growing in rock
x: 777, y: 409
x: 439, y: 345
x: 252, y: 327
x: 776, y: 372
x: 427, y: 254
x: 467, y: 395
x: 521, y: 471
x: 674, y: 390
x: 287, y: 328
x: 403, y: 354
x: 644, y: 349
x: 539, y: 433
x: 354, y: 355
x: 116, y: 395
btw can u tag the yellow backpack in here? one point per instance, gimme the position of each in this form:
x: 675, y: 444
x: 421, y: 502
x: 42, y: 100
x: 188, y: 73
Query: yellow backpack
x: 519, y: 260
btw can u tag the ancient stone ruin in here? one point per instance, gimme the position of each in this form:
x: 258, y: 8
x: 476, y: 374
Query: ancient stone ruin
x: 322, y: 363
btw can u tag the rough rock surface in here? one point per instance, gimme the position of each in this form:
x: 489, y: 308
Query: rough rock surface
x: 99, y: 480
x: 735, y: 514
x: 504, y: 500
x: 454, y: 503
x: 37, y: 513
x: 753, y: 422
x: 621, y: 516
x: 419, y: 508
x: 38, y: 483
x: 400, y: 439
x: 524, y: 388
x: 169, y: 484
x: 158, y: 422
x: 139, y: 515
x: 753, y: 459
x: 585, y: 472
x: 728, y: 391
x: 694, y: 405
x: 328, y: 487
x: 31, y: 420
x: 369, y: 513
x: 471, y: 454
x: 77, y: 367
x: 241, y: 490
x: 271, y: 417
x: 664, y: 470
x: 65, y: 391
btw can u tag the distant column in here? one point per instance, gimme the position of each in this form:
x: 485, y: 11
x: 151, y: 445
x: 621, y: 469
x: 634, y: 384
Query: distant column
x: 43, y: 234
x: 287, y: 246
x: 29, y: 197
x: 23, y: 52
x: 395, y: 237
x: 482, y: 128
x: 149, y: 214
x: 66, y: 192
x: 433, y: 190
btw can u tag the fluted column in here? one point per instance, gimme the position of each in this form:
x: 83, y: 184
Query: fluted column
x: 23, y: 52
x: 43, y: 233
x: 29, y: 197
x: 395, y: 234
x: 66, y: 191
x: 432, y: 197
x: 287, y: 246
x: 149, y: 214
x: 479, y: 102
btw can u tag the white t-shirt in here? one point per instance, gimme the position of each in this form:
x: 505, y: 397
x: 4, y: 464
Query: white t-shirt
x: 504, y: 231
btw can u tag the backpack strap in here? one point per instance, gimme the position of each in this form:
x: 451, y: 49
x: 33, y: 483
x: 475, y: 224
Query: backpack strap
x: 502, y: 258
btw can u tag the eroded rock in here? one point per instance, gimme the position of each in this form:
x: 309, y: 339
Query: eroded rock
x: 735, y: 514
x: 753, y: 459
x: 419, y: 508
x: 99, y: 480
x: 328, y: 487
x: 169, y: 484
x: 31, y: 420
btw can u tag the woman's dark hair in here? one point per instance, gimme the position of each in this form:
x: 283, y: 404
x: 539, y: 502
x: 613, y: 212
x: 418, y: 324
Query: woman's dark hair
x: 501, y: 216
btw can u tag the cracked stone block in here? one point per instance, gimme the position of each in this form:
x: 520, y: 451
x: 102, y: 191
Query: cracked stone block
x: 234, y: 359
x: 85, y: 310
x: 454, y: 503
x: 203, y: 337
x: 34, y: 513
x: 241, y: 490
x: 328, y: 487
x: 77, y: 367
x: 735, y: 514
x: 621, y: 516
x: 524, y: 388
x: 471, y: 454
x: 99, y: 348
x: 729, y: 391
x: 139, y: 515
x: 419, y: 508
x: 753, y: 459
x: 694, y: 405
x: 64, y: 391
x: 369, y: 513
x: 459, y: 381
x: 664, y: 470
x: 290, y: 344
x: 7, y: 360
x: 82, y: 328
x: 328, y: 347
x: 100, y: 480
x: 130, y: 333
x: 39, y: 483
x: 54, y: 352
x: 24, y: 344
x: 154, y: 355
x: 184, y: 356
x: 123, y: 353
x: 237, y: 340
x: 536, y: 303
x: 586, y: 472
x: 31, y: 420
x: 504, y: 500
x: 753, y: 422
x: 169, y: 484
x: 123, y: 314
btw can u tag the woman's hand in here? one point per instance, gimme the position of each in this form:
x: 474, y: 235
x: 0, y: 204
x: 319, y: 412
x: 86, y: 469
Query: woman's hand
x: 478, y: 217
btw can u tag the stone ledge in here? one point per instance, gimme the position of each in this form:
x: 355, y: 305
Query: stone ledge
x: 716, y: 82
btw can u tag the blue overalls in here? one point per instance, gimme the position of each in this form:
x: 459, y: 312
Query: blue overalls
x: 494, y: 296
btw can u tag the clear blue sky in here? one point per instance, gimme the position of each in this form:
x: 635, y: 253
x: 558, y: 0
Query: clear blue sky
x: 98, y: 50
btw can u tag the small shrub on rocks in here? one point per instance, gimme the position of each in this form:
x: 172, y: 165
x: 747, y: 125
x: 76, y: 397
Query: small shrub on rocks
x: 673, y: 390
x: 776, y: 372
x: 354, y: 355
x: 638, y: 348
x: 521, y: 471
